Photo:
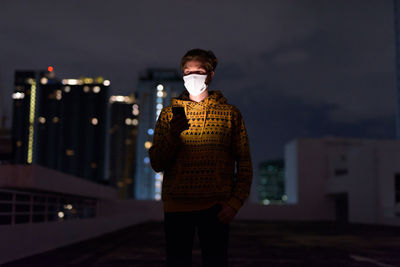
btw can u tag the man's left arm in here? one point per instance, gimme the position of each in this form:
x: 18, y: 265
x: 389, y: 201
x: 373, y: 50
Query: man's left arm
x: 244, y: 169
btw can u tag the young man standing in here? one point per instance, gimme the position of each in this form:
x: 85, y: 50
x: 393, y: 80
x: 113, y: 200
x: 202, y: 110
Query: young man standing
x: 199, y: 142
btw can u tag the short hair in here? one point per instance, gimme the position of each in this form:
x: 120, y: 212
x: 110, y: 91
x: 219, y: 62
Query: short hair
x: 206, y: 57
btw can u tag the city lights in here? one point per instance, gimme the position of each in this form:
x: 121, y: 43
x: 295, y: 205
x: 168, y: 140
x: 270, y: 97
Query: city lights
x: 31, y: 121
x: 147, y: 144
x: 58, y: 94
x: 107, y: 83
x: 72, y: 82
x: 95, y: 121
x: 159, y: 100
x: 42, y: 119
x: 135, y: 109
x: 67, y: 89
x: 43, y: 80
x: 96, y: 89
x: 86, y: 89
x: 18, y: 95
x: 50, y: 68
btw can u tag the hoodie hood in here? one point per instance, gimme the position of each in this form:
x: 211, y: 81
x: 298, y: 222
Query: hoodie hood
x: 213, y: 99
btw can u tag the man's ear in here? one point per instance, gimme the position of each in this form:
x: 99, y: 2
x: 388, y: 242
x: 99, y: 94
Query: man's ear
x: 209, y: 77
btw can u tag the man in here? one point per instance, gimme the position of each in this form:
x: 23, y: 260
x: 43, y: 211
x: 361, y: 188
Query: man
x: 198, y: 149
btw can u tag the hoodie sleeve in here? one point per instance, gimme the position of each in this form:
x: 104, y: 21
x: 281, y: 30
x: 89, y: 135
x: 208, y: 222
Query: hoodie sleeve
x: 164, y: 147
x: 244, y: 169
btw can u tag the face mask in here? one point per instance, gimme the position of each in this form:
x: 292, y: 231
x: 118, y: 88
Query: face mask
x: 195, y: 83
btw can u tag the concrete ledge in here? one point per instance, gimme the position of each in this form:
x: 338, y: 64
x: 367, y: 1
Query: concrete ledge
x: 35, y: 177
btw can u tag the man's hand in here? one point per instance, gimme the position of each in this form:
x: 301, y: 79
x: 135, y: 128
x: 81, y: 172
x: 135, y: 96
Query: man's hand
x: 227, y: 213
x: 179, y: 123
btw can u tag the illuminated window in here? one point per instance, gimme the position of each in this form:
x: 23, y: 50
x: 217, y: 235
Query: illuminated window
x: 147, y: 144
x: 70, y: 152
x: 42, y: 119
x: 56, y: 119
x: 135, y: 109
x: 58, y: 94
x: 43, y: 80
x: 96, y: 89
x: 107, y: 83
x: 128, y: 121
x: 86, y: 89
x: 67, y: 89
x: 95, y: 121
x: 18, y: 95
x: 135, y: 122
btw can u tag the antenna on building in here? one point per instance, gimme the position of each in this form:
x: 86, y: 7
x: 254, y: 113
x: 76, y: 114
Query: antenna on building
x: 397, y: 54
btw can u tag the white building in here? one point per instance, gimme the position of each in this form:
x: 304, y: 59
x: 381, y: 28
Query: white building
x: 354, y: 180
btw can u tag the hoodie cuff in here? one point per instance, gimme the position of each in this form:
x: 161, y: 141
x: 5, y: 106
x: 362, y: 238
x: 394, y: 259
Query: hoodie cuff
x: 234, y: 203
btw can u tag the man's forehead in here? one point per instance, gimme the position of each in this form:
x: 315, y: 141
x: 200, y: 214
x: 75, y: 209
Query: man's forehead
x: 194, y: 64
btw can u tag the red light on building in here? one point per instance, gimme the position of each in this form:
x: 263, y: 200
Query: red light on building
x: 50, y: 68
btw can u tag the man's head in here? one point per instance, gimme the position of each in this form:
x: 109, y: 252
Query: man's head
x: 199, y: 61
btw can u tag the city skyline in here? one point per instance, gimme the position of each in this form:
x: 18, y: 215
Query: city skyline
x: 292, y: 67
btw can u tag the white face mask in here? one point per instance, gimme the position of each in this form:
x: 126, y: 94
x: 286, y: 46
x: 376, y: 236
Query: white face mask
x: 195, y: 83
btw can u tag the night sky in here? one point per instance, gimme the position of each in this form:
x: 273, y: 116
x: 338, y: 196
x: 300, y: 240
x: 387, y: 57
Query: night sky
x: 294, y: 68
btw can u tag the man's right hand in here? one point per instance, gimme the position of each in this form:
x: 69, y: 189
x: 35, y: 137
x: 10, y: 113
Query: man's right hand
x: 178, y: 124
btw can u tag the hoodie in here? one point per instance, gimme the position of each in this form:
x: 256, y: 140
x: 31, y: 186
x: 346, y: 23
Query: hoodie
x: 207, y: 164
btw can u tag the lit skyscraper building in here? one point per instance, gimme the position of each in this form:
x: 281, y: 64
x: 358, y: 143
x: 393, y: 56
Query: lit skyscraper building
x: 123, y: 135
x: 155, y: 90
x: 61, y: 124
x: 271, y: 182
x: 84, y: 127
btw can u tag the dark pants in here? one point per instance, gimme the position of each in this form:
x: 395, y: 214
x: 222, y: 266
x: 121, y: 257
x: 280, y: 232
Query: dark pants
x: 213, y: 236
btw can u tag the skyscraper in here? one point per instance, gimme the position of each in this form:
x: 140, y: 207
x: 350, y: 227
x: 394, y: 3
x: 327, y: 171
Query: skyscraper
x: 271, y: 182
x: 155, y: 90
x: 123, y: 134
x: 61, y: 124
x: 84, y: 127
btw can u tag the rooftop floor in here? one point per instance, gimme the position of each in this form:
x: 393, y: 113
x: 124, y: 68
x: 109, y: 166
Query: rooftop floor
x: 252, y: 243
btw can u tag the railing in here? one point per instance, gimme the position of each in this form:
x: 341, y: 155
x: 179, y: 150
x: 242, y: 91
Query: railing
x: 18, y: 207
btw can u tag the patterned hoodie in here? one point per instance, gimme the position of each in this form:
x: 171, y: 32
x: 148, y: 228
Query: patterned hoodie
x: 199, y: 165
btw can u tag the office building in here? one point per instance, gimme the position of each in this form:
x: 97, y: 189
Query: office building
x: 155, y: 90
x: 61, y: 124
x: 123, y: 135
x: 271, y: 187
